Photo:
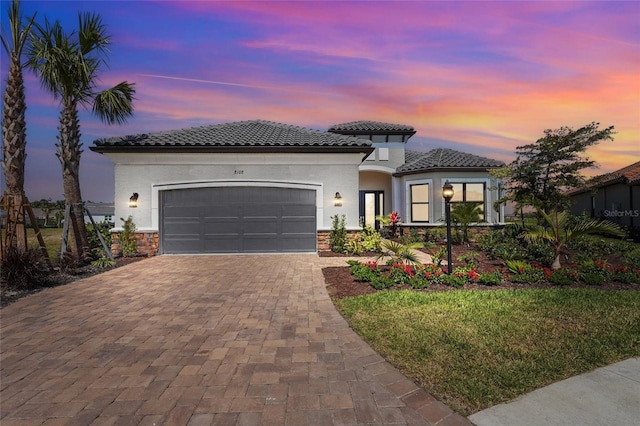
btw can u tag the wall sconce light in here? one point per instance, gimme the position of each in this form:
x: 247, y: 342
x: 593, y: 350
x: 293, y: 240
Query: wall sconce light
x: 337, y: 200
x: 133, y: 200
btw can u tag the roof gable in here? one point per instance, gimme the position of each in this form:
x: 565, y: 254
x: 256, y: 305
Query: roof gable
x: 444, y: 158
x: 252, y: 135
x: 629, y: 175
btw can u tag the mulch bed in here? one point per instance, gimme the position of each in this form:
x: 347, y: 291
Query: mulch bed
x: 340, y: 283
x: 62, y: 277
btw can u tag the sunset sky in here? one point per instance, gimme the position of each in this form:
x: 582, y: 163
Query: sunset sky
x: 479, y: 76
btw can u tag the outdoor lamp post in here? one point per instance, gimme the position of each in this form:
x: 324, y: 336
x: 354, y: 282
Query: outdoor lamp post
x: 447, y: 194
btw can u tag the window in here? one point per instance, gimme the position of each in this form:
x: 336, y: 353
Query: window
x: 419, y: 202
x: 469, y: 193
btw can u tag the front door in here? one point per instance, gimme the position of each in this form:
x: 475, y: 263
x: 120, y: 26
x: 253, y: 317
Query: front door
x: 371, y: 205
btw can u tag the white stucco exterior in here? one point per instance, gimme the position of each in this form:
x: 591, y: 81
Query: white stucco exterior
x: 149, y: 173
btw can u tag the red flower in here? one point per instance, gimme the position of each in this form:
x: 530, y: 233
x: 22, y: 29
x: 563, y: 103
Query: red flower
x: 394, y: 217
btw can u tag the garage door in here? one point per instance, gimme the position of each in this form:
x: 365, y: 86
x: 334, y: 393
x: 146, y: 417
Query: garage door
x: 238, y: 220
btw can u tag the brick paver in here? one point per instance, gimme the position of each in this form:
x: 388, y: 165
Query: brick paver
x: 199, y: 340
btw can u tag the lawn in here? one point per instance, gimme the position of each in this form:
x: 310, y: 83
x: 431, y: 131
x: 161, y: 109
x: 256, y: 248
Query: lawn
x: 475, y: 349
x: 52, y: 239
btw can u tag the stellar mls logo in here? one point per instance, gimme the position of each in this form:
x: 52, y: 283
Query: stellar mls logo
x: 622, y: 213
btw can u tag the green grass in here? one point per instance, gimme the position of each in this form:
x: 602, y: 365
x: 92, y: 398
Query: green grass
x: 475, y: 349
x: 52, y: 239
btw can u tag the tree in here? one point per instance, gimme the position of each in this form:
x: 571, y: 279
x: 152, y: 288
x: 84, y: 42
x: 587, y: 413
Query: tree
x: 68, y: 65
x: 545, y: 170
x: 47, y: 207
x: 560, y: 227
x: 14, y: 130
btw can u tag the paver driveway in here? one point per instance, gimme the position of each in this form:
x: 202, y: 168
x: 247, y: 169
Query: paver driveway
x: 199, y: 340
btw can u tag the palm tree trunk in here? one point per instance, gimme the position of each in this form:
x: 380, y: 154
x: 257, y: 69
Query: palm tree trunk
x: 14, y: 154
x: 69, y: 154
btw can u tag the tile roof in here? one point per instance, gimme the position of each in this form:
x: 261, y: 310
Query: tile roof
x: 372, y: 127
x: 629, y: 174
x: 443, y: 158
x: 252, y: 135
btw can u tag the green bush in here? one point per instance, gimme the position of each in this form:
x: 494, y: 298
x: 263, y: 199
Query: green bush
x: 491, y: 278
x: 363, y: 272
x: 470, y: 259
x: 127, y: 238
x: 595, y: 272
x: 382, y: 281
x: 563, y: 277
x: 23, y: 270
x: 540, y: 253
x: 632, y: 257
x: 371, y: 240
x: 354, y: 245
x: 523, y: 272
x: 338, y: 235
x: 94, y: 242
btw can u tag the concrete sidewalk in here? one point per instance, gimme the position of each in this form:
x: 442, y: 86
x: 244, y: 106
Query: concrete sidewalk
x: 607, y: 396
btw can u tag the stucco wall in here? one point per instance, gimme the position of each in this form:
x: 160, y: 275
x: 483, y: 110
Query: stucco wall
x: 436, y: 202
x: 147, y: 174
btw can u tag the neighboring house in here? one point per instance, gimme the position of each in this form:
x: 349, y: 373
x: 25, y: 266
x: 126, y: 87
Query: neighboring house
x: 100, y: 212
x: 260, y: 186
x: 613, y: 196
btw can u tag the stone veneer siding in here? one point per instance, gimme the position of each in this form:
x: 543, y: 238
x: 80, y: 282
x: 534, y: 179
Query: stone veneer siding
x: 147, y: 242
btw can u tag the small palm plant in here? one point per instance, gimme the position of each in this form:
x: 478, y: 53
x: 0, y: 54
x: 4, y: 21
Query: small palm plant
x: 400, y: 253
x: 559, y: 228
x: 462, y: 215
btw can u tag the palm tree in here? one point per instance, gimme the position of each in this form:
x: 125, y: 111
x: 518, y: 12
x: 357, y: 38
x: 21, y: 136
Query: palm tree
x: 560, y: 228
x: 14, y: 130
x: 68, y: 65
x: 462, y: 215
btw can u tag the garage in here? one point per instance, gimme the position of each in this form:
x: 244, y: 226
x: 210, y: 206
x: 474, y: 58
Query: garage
x: 237, y: 219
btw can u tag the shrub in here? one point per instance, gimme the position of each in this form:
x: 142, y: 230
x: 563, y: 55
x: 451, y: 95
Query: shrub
x: 382, y: 281
x: 95, y: 245
x: 371, y: 240
x: 438, y: 256
x: 338, y: 235
x: 470, y: 259
x: 632, y: 258
x: 524, y: 272
x: 127, y: 238
x: 494, y: 277
x: 539, y: 252
x: 595, y: 272
x: 435, y: 235
x: 354, y: 245
x: 23, y: 270
x: 627, y: 275
x: 103, y: 262
x: 563, y: 276
x: 362, y: 272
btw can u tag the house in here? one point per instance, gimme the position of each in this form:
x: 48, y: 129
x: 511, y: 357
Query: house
x: 100, y: 212
x: 613, y: 196
x: 259, y: 186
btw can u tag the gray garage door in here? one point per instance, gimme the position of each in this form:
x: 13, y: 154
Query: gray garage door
x: 238, y: 220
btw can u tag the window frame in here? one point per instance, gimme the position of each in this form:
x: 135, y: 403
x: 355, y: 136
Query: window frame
x: 429, y: 202
x: 464, y: 183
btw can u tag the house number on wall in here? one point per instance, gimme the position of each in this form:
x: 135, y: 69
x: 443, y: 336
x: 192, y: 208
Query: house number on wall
x: 238, y: 172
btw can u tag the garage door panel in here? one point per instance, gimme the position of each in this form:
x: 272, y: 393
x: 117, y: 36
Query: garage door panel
x: 238, y: 219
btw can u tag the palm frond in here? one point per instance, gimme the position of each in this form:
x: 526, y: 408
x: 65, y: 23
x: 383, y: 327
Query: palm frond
x: 115, y: 105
